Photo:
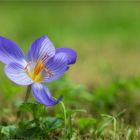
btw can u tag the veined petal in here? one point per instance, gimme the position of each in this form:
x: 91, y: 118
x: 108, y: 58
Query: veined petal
x: 43, y: 96
x: 41, y: 48
x: 55, y: 67
x: 10, y: 52
x: 71, y: 54
x: 16, y: 73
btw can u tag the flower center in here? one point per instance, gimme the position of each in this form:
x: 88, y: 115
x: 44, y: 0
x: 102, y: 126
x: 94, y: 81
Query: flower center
x: 37, y: 70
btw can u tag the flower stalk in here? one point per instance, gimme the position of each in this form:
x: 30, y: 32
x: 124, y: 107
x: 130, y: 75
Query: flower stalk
x: 28, y: 91
x: 27, y: 94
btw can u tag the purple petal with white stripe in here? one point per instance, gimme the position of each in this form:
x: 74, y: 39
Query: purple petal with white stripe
x: 41, y: 48
x: 71, y: 54
x: 10, y: 52
x: 55, y: 67
x: 43, y: 96
x: 16, y: 73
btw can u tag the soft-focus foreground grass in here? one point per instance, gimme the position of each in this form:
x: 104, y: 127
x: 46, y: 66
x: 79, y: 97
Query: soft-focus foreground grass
x: 105, y: 79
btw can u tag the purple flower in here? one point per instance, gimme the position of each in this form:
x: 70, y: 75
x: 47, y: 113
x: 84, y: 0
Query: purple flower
x: 44, y: 63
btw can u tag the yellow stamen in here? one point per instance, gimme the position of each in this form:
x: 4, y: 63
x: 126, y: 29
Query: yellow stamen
x: 38, y: 67
x: 36, y: 72
x: 36, y: 75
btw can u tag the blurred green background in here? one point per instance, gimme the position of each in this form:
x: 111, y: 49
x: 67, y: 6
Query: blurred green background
x: 106, y: 37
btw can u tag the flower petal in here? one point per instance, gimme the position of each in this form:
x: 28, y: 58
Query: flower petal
x: 43, y: 96
x: 56, y: 67
x: 10, y: 52
x: 41, y: 48
x: 71, y: 54
x: 16, y: 73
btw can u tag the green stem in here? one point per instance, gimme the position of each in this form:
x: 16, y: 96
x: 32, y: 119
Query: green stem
x: 27, y: 93
x: 65, y: 117
x: 22, y: 114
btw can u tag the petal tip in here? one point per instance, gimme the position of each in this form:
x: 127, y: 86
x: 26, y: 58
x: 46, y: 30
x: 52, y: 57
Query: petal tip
x: 71, y: 54
x: 43, y: 96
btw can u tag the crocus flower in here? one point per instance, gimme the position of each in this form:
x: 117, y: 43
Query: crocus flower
x: 43, y: 63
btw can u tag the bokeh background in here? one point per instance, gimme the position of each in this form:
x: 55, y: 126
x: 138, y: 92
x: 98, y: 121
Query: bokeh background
x: 106, y: 37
